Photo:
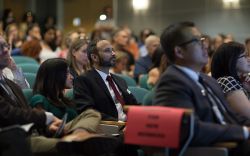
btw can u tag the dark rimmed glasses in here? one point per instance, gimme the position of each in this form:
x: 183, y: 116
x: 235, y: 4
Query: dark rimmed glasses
x: 199, y: 40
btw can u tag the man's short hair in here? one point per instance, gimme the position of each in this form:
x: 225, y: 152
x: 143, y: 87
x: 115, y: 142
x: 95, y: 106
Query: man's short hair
x: 92, y: 49
x: 172, y: 36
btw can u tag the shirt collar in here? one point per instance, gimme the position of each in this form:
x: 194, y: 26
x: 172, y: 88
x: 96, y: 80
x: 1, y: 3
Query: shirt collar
x: 102, y: 74
x: 192, y: 74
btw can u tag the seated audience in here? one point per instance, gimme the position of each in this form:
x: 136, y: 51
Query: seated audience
x: 183, y: 85
x: 143, y: 35
x: 77, y: 57
x: 15, y: 110
x: 229, y: 66
x: 12, y: 36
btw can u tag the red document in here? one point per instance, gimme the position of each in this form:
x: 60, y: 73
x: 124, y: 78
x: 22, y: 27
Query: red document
x: 154, y: 126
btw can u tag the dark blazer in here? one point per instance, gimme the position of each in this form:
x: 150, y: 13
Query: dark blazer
x: 176, y: 89
x: 18, y: 112
x: 90, y: 91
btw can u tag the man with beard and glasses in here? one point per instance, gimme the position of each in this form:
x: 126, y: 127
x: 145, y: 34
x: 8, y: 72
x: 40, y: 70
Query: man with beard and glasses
x: 100, y: 89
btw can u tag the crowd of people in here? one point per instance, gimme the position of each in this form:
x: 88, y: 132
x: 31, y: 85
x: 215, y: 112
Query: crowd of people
x: 184, y: 68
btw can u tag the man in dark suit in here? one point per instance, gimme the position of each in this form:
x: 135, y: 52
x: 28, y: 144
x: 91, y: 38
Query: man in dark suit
x: 94, y: 90
x: 182, y: 85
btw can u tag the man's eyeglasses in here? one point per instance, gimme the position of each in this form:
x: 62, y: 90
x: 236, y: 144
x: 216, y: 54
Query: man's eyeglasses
x: 198, y: 40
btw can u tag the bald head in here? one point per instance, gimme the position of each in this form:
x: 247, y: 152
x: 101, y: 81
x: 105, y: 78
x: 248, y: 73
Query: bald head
x: 152, y: 42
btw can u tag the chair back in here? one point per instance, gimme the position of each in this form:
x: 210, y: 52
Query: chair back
x: 29, y: 67
x: 143, y: 81
x: 148, y: 98
x: 24, y: 59
x: 130, y: 81
x: 30, y: 77
x: 138, y: 93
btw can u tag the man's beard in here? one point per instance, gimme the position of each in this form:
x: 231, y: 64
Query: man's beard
x: 109, y: 63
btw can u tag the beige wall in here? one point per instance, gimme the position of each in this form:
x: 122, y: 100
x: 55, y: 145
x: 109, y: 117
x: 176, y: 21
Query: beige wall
x: 87, y: 10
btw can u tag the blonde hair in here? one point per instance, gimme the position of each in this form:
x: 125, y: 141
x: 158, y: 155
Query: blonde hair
x: 75, y: 46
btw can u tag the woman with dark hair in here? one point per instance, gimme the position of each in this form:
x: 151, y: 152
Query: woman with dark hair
x: 77, y: 57
x: 229, y: 64
x: 52, y: 78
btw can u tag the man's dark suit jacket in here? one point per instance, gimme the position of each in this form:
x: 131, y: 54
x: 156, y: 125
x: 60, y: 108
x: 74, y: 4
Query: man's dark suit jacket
x: 90, y: 91
x: 176, y: 89
x: 18, y: 112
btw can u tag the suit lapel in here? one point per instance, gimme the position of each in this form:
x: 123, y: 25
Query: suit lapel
x: 101, y: 83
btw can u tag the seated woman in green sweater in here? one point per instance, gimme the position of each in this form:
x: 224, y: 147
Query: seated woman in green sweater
x: 52, y: 78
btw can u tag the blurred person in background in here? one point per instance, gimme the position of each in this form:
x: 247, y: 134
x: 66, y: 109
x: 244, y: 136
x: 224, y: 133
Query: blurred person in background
x: 48, y: 44
x: 32, y: 49
x: 8, y: 17
x: 33, y: 32
x: 78, y: 58
x: 28, y: 19
x: 142, y: 66
x: 132, y: 44
x: 120, y: 63
x: 68, y: 40
x: 13, y: 39
x: 143, y: 35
